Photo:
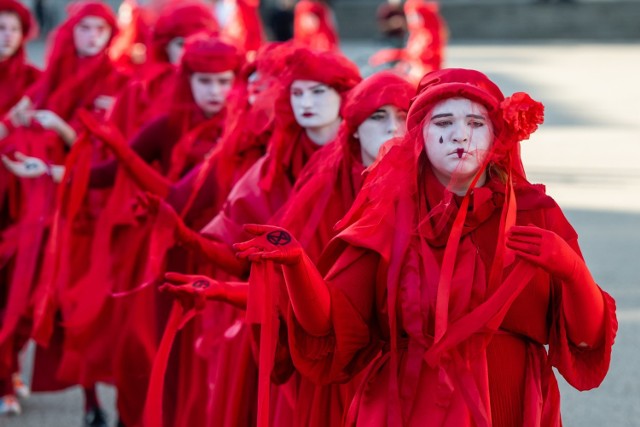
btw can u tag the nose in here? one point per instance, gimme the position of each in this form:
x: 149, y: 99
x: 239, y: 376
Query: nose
x: 393, y: 125
x: 306, y: 100
x: 460, y: 134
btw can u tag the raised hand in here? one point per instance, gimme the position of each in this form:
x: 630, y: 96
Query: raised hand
x: 25, y: 166
x: 545, y: 249
x: 192, y: 290
x: 271, y: 243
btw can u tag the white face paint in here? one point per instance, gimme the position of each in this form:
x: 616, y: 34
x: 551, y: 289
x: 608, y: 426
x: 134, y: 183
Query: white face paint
x: 174, y: 49
x: 91, y: 35
x: 10, y: 34
x: 457, y: 138
x: 315, y: 105
x: 210, y: 90
x: 385, y: 123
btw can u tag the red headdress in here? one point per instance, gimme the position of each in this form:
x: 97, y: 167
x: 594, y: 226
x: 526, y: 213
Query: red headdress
x: 181, y: 19
x: 29, y: 26
x: 69, y: 81
x: 331, y: 69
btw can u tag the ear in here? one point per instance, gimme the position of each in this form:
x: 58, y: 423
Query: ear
x: 356, y: 135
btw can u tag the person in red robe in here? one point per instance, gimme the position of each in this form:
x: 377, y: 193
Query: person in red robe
x: 240, y: 24
x: 424, y: 51
x: 17, y: 27
x: 449, y: 276
x: 314, y: 25
x: 374, y: 112
x: 79, y: 75
x: 177, y: 141
x: 306, y: 118
x: 150, y: 93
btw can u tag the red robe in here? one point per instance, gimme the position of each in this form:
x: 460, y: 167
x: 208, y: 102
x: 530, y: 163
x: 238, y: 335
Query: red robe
x: 234, y: 378
x: 493, y: 371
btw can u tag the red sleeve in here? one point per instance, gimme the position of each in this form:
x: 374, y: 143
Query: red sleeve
x: 354, y: 340
x: 149, y: 144
x: 583, y: 368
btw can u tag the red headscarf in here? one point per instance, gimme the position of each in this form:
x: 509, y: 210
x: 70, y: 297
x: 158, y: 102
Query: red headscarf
x: 180, y: 19
x: 15, y: 73
x: 69, y: 81
x: 331, y: 69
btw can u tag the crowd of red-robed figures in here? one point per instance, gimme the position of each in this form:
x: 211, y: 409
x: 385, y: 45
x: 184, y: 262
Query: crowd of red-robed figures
x: 148, y: 149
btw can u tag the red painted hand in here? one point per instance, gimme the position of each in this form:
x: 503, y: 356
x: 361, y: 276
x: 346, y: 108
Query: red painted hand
x: 271, y: 243
x: 192, y: 290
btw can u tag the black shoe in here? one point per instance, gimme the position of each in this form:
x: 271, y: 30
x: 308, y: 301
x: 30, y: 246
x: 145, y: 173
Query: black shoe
x: 95, y: 417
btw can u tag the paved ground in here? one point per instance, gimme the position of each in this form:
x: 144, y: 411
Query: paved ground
x: 588, y: 154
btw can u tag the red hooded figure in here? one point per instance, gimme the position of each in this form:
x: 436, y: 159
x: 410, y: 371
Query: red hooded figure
x: 176, y: 141
x: 198, y: 197
x: 424, y: 51
x: 323, y: 194
x: 78, y: 75
x: 150, y: 94
x: 240, y: 24
x: 464, y: 272
x: 16, y: 75
x: 314, y: 25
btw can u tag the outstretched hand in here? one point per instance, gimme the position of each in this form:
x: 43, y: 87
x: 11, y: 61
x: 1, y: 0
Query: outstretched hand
x: 545, y: 249
x: 271, y: 243
x: 192, y: 290
x: 25, y: 166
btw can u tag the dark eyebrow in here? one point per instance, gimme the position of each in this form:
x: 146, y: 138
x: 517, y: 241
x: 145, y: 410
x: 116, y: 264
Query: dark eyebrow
x: 476, y: 116
x: 438, y: 116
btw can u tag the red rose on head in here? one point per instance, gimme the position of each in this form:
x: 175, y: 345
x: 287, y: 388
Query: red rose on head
x: 522, y: 115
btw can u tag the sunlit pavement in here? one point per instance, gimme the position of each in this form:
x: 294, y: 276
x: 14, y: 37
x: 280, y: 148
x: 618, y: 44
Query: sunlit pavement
x: 588, y: 155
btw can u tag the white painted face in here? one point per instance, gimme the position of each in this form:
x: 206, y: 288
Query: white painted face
x: 174, y: 49
x: 457, y: 138
x: 315, y: 105
x: 210, y: 90
x: 385, y: 123
x: 91, y: 35
x: 10, y: 34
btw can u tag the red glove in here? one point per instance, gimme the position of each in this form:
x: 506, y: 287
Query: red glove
x: 546, y: 249
x: 307, y: 289
x: 582, y: 300
x: 145, y: 176
x: 194, y: 290
x: 271, y: 243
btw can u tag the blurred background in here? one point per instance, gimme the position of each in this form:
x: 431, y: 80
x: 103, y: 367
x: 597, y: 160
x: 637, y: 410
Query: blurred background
x: 581, y: 58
